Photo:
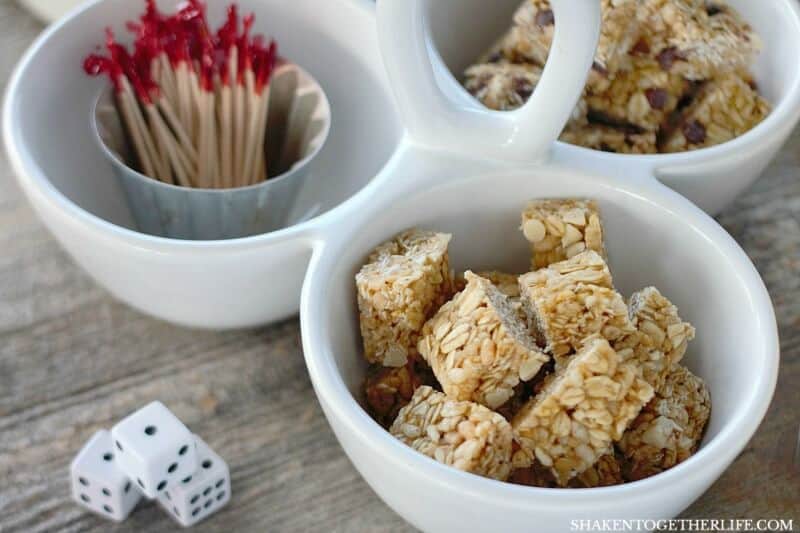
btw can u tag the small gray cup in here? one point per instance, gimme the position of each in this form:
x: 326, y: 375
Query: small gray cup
x: 297, y: 127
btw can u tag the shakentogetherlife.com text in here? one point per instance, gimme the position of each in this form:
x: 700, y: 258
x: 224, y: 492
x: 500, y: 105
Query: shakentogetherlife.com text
x: 678, y: 524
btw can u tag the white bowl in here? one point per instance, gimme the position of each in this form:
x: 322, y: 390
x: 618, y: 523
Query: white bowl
x: 711, y: 178
x: 654, y: 237
x: 213, y: 284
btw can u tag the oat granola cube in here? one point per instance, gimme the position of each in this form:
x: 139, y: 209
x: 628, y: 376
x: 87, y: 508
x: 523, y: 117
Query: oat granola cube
x: 404, y: 283
x: 560, y: 229
x: 695, y: 39
x: 387, y: 389
x: 660, y: 339
x: 478, y: 347
x: 465, y: 435
x: 571, y: 300
x: 723, y: 109
x: 575, y: 419
x: 508, y: 284
x: 505, y: 283
x: 610, y: 139
x: 502, y: 86
x: 534, y: 27
x: 669, y: 428
x: 643, y: 97
x: 605, y: 472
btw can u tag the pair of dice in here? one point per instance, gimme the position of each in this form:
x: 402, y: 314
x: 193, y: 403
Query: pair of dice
x: 150, y: 453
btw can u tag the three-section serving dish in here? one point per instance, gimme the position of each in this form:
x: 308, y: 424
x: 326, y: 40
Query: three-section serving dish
x: 436, y: 158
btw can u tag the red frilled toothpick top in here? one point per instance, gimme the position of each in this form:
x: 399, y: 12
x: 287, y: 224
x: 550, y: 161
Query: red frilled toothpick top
x: 186, y: 39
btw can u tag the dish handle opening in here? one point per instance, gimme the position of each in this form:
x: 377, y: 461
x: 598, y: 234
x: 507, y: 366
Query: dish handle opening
x: 438, y: 119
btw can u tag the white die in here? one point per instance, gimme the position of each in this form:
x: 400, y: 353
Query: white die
x: 154, y: 449
x: 97, y: 484
x: 208, y: 490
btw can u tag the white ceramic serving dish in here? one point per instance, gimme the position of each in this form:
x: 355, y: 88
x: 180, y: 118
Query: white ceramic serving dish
x: 676, y: 246
x: 257, y: 280
x: 457, y: 168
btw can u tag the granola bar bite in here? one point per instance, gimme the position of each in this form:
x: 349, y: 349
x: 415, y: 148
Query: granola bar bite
x: 403, y: 284
x: 643, y: 97
x: 604, y: 473
x: 502, y: 86
x: 465, y: 435
x: 478, y: 347
x: 611, y: 139
x: 695, y: 39
x: 571, y: 300
x: 505, y: 283
x: 575, y: 419
x: 534, y: 27
x: 561, y: 228
x: 669, y: 428
x: 724, y: 108
x: 661, y: 336
x: 387, y: 389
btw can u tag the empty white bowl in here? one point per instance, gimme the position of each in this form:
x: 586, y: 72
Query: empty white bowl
x: 654, y: 237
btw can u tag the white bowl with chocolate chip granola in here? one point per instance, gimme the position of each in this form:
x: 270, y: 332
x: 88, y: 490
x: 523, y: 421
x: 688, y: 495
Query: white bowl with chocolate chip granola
x: 699, y: 94
x: 508, y: 344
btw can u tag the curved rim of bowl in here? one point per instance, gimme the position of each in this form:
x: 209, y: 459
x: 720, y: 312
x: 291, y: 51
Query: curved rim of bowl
x: 341, y: 405
x: 785, y: 113
x: 33, y: 177
x: 116, y: 160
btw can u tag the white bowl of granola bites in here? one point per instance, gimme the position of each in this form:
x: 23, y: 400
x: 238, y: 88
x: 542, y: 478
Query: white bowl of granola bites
x: 724, y: 131
x: 654, y: 237
x: 445, y: 463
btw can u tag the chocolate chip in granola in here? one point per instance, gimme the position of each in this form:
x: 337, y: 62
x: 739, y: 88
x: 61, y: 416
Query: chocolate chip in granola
x: 668, y: 56
x: 657, y: 97
x: 495, y: 57
x: 641, y: 48
x: 545, y: 17
x: 523, y: 88
x: 694, y: 132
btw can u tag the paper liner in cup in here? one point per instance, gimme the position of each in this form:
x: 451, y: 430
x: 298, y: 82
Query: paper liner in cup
x: 298, y: 124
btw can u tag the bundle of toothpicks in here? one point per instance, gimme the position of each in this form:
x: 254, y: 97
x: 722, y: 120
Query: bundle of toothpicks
x: 194, y: 102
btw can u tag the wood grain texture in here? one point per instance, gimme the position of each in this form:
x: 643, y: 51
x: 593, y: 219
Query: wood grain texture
x: 73, y: 360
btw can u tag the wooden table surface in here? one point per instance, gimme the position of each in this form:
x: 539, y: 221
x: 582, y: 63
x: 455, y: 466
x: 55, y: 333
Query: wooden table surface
x: 74, y: 360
